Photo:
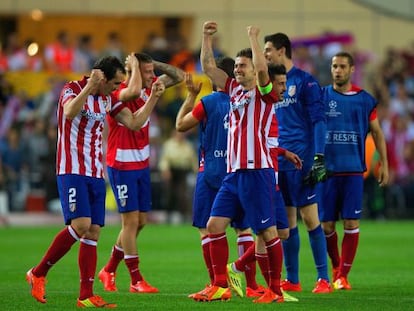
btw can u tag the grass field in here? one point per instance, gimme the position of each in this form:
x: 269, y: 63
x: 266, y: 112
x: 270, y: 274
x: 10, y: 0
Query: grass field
x: 382, y: 276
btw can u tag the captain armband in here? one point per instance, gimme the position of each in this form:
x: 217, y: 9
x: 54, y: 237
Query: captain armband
x: 265, y: 89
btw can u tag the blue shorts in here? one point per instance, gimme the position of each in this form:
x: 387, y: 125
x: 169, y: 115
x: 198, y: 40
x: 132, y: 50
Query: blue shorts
x: 132, y: 189
x: 250, y: 193
x: 281, y: 215
x: 294, y: 191
x: 204, y: 196
x: 342, y: 197
x: 82, y: 196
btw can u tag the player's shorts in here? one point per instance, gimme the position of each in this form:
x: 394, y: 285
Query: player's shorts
x: 131, y: 188
x: 342, y: 197
x: 248, y: 192
x: 281, y: 214
x: 204, y: 196
x: 82, y: 196
x: 294, y: 191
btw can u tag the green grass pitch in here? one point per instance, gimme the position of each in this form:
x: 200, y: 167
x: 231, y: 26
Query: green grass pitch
x: 382, y: 276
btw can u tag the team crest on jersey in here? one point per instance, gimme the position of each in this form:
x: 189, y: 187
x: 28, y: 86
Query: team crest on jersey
x: 105, y: 102
x: 144, y: 95
x: 226, y: 122
x: 122, y: 202
x: 72, y: 207
x: 292, y: 90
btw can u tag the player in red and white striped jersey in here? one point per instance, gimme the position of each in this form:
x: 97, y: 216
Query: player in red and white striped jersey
x: 249, y: 186
x: 128, y: 169
x: 82, y: 109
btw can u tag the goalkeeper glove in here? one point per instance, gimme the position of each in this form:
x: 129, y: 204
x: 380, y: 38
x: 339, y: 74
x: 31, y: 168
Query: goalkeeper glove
x: 318, y: 172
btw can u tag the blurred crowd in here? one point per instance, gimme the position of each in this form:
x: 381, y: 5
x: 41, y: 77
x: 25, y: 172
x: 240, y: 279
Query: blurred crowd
x: 28, y: 125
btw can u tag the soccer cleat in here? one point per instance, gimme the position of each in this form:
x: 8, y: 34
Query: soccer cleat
x: 342, y: 283
x: 322, y: 287
x: 288, y: 286
x: 142, y: 287
x: 37, y: 285
x: 269, y: 297
x: 108, y: 280
x: 234, y: 280
x: 335, y: 273
x: 212, y: 293
x: 94, y: 302
x: 193, y: 294
x: 259, y: 291
x: 289, y: 298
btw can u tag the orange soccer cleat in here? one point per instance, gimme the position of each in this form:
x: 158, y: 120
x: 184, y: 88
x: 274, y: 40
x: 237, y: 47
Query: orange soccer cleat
x: 142, y: 287
x: 322, y: 287
x: 108, y: 280
x: 37, y: 284
x: 94, y: 302
x: 288, y: 286
x: 212, y: 293
x: 269, y: 297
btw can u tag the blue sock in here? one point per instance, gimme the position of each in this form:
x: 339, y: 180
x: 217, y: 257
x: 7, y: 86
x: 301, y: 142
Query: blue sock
x: 291, y: 255
x: 319, y: 251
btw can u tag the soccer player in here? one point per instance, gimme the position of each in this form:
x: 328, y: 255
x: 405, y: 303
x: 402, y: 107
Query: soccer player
x: 248, y: 188
x: 277, y: 75
x: 128, y: 169
x: 211, y: 114
x: 351, y: 113
x: 81, y: 112
x: 302, y: 129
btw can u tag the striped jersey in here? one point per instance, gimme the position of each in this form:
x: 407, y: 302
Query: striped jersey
x: 250, y: 122
x: 128, y: 149
x: 79, y: 145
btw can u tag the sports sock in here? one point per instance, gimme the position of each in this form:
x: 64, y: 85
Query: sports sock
x: 87, y: 266
x: 205, y: 245
x: 318, y: 245
x: 275, y: 254
x: 244, y: 242
x: 291, y: 255
x: 132, y: 262
x: 60, y: 246
x: 349, y: 249
x: 263, y: 261
x: 116, y: 257
x: 332, y: 246
x: 219, y: 250
x: 247, y: 258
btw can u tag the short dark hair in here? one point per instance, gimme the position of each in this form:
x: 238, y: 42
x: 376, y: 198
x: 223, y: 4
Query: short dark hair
x: 226, y: 64
x: 276, y: 70
x: 110, y: 65
x: 280, y: 40
x: 346, y: 55
x: 247, y: 52
x: 143, y: 58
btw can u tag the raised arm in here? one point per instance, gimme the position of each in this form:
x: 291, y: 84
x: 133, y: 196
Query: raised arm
x: 259, y: 60
x: 208, y: 63
x: 73, y: 106
x: 134, y: 121
x: 171, y: 75
x: 185, y: 119
x: 133, y: 90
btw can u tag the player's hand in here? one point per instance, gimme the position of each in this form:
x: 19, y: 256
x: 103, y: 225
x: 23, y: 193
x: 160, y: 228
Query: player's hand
x: 318, y: 172
x: 192, y: 88
x: 95, y: 80
x: 158, y: 88
x: 209, y: 28
x: 293, y: 158
x: 131, y: 62
x: 253, y: 31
